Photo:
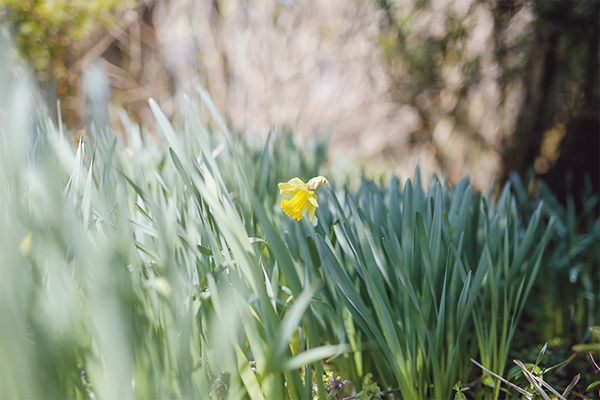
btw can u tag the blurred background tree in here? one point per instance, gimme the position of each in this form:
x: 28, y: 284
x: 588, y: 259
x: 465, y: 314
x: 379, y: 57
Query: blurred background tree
x: 558, y: 128
x: 528, y: 94
x: 440, y: 57
x: 45, y: 29
x: 63, y: 38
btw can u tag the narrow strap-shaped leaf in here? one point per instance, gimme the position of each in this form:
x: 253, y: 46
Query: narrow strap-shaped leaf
x: 169, y: 132
x: 291, y: 322
x: 462, y: 301
x: 87, y: 197
x: 309, y: 356
x: 408, y: 226
x: 212, y: 108
x: 426, y: 257
x: 527, y: 241
x: 435, y: 241
x: 248, y: 377
x: 484, y: 266
x: 402, y: 273
x: 441, y: 317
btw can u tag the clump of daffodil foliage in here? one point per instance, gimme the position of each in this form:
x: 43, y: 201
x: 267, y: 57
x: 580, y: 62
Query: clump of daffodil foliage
x: 166, y: 269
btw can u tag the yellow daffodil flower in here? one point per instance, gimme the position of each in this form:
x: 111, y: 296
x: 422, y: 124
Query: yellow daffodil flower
x: 300, y: 197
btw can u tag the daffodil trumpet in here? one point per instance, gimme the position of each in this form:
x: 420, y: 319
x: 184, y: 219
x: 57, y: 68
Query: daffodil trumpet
x: 300, y: 197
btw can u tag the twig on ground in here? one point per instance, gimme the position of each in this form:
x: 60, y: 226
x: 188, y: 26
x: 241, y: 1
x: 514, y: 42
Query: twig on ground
x: 518, y: 389
x: 531, y: 378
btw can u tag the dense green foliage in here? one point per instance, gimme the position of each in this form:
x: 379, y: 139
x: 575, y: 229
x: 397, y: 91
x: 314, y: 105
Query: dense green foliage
x: 45, y: 29
x: 135, y: 268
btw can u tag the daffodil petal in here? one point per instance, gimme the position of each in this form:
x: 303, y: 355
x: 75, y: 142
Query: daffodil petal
x: 287, y: 191
x: 305, y: 208
x: 311, y: 213
x: 284, y: 186
x: 297, y: 183
x: 313, y: 201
